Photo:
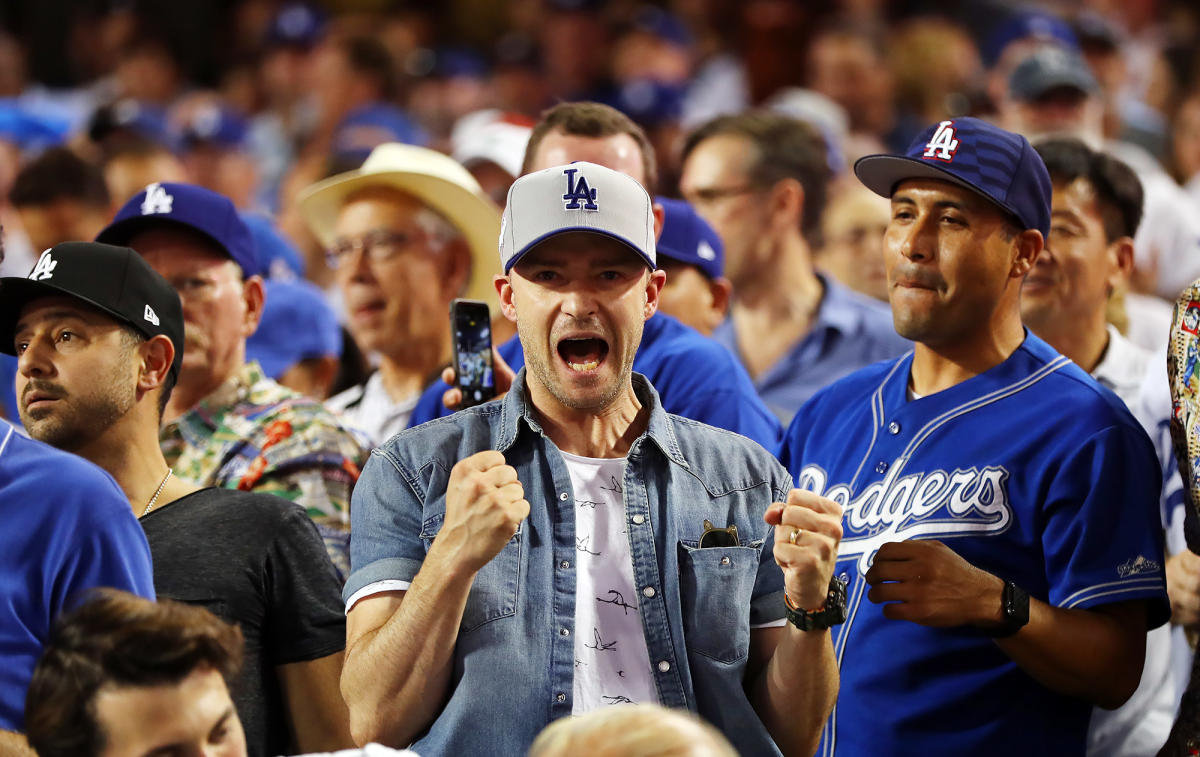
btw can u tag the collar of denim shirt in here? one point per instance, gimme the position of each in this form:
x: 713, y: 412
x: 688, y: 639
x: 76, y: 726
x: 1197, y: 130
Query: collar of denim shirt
x: 516, y: 409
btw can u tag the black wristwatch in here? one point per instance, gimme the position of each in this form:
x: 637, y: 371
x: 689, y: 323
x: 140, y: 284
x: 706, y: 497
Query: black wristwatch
x: 830, y: 615
x: 1015, y: 605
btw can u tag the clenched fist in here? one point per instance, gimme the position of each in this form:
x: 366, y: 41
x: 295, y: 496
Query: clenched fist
x: 485, y: 503
x: 808, y: 558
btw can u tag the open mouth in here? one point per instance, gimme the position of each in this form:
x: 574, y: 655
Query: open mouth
x: 583, y: 354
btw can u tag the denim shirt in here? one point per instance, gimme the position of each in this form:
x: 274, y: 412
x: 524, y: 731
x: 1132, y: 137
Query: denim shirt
x: 514, y: 658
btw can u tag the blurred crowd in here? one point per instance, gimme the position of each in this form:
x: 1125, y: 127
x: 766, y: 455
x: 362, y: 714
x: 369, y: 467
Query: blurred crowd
x: 295, y: 139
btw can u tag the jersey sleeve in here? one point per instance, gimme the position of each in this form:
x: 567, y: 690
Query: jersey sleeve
x: 731, y: 410
x: 1103, y: 537
x: 386, y: 523
x: 306, y: 620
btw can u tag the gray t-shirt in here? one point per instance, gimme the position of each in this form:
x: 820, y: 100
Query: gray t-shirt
x: 255, y: 560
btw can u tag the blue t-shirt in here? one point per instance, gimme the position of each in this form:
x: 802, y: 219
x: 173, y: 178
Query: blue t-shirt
x: 67, y: 528
x: 850, y: 331
x: 1030, y: 471
x: 695, y: 377
x: 8, y: 391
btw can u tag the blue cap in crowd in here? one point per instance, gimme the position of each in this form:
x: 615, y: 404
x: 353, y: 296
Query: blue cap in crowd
x: 1029, y: 24
x: 186, y: 205
x: 1048, y: 68
x: 297, y: 24
x: 687, y: 238
x: 27, y: 130
x: 364, y: 129
x: 277, y: 257
x: 214, y: 124
x: 999, y: 165
x: 297, y: 323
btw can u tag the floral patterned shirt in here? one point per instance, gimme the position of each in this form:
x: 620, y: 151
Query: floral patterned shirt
x: 255, y: 435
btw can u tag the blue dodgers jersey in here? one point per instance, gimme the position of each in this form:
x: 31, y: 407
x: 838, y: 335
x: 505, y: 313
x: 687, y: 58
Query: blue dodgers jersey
x: 67, y: 528
x: 1031, y: 471
x: 694, y: 376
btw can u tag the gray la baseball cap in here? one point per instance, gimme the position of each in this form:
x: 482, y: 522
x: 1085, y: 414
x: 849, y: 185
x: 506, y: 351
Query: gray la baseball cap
x: 576, y: 197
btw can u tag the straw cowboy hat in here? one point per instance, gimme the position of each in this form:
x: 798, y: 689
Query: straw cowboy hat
x: 434, y: 179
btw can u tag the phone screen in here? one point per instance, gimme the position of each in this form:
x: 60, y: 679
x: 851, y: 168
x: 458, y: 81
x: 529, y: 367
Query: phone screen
x: 471, y: 323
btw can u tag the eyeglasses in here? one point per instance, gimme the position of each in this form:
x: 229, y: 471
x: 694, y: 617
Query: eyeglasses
x: 379, y: 246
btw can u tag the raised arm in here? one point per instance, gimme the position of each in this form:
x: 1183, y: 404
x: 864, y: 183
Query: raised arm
x: 400, y: 645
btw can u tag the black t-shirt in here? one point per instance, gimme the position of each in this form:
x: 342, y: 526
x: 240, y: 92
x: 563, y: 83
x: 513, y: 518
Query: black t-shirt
x: 255, y: 560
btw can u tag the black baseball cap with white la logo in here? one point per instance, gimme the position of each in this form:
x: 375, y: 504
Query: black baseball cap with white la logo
x: 115, y: 280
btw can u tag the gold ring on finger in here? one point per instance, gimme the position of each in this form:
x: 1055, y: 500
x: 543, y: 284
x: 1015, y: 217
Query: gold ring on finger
x: 794, y: 535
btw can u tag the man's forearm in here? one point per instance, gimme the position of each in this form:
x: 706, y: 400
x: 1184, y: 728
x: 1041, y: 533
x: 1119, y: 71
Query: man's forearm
x: 796, y: 691
x: 14, y: 745
x: 395, y: 678
x: 1095, y: 655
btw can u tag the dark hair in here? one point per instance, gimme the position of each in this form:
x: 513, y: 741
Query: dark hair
x: 59, y: 174
x: 589, y: 119
x: 786, y: 148
x: 118, y: 639
x: 1118, y: 189
x: 369, y: 57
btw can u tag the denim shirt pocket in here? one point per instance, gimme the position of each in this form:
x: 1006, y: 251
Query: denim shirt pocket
x: 716, y: 585
x: 494, y: 592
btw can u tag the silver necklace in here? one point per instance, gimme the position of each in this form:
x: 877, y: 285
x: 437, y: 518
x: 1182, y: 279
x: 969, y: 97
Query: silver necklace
x: 157, y: 492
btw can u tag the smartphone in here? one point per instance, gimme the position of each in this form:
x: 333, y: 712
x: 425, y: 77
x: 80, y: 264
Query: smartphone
x: 471, y: 327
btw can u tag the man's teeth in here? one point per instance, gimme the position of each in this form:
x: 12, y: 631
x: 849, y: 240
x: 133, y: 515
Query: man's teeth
x: 589, y: 365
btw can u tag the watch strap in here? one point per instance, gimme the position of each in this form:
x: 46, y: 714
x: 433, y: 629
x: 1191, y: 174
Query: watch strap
x: 829, y: 615
x: 1014, y: 604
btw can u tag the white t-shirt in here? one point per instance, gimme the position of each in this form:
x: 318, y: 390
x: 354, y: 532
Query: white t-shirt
x: 612, y: 664
x: 370, y: 409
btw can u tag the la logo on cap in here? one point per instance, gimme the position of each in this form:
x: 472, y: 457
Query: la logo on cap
x: 942, y: 145
x: 578, y: 191
x: 44, y: 268
x: 157, y: 200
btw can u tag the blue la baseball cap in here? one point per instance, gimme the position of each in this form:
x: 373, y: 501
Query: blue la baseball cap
x: 687, y: 238
x: 297, y: 323
x: 189, y: 206
x: 999, y: 165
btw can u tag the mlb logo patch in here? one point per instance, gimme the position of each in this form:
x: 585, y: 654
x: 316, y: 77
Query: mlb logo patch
x: 158, y: 200
x: 578, y: 191
x: 44, y: 268
x: 943, y: 144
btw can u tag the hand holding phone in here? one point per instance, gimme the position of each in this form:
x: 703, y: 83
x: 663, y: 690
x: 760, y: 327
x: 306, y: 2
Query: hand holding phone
x: 474, y: 373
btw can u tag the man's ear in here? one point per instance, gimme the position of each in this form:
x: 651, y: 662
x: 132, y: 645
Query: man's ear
x: 1028, y: 245
x: 660, y: 217
x: 1121, y: 262
x: 254, y: 294
x: 786, y: 199
x: 505, y: 290
x: 654, y: 285
x: 722, y: 291
x: 156, y: 356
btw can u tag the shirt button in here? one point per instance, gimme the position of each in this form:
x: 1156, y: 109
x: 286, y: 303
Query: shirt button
x: 639, y: 519
x: 564, y: 632
x: 725, y: 560
x: 561, y: 697
x: 894, y: 427
x: 563, y: 496
x: 565, y: 564
x: 648, y: 591
x: 664, y: 666
x: 881, y: 467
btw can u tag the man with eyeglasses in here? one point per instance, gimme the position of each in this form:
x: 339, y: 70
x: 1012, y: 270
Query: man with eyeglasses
x: 407, y: 233
x: 226, y: 424
x: 760, y: 180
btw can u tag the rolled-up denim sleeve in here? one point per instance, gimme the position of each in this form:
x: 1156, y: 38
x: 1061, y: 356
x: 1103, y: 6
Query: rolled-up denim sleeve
x: 385, y: 525
x: 766, y: 605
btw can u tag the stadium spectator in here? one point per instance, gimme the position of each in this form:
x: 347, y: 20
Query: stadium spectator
x: 94, y: 328
x: 60, y: 197
x: 444, y: 526
x: 760, y: 180
x: 226, y: 424
x: 123, y: 676
x: 851, y: 249
x: 695, y: 377
x: 643, y: 730
x: 407, y: 233
x: 696, y: 291
x: 131, y: 166
x: 298, y: 342
x: 1094, y: 213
